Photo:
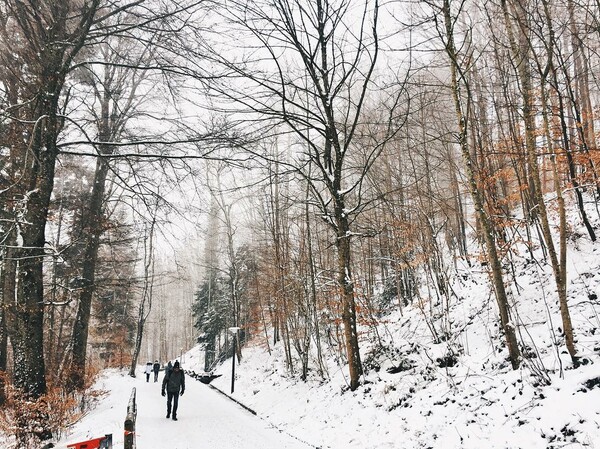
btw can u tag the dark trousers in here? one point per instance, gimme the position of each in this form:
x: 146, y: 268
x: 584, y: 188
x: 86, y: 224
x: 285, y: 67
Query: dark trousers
x: 172, y: 397
x: 147, y: 377
x: 155, y: 376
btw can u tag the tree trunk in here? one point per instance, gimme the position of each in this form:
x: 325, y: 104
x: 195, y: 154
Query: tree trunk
x: 559, y: 266
x: 92, y: 231
x: 347, y: 292
x: 313, y: 306
x: 51, y: 36
x: 26, y: 316
x: 487, y: 229
x: 146, y: 301
x: 522, y: 53
x: 6, y: 287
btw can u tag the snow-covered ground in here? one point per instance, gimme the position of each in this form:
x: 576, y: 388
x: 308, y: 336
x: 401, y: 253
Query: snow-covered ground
x: 206, y: 419
x: 478, y: 403
x: 408, y: 399
x: 437, y: 409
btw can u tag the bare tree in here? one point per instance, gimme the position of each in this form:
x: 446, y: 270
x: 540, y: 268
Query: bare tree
x: 145, y: 304
x: 309, y: 74
x: 521, y: 47
x: 41, y: 43
x: 459, y: 80
x: 115, y: 87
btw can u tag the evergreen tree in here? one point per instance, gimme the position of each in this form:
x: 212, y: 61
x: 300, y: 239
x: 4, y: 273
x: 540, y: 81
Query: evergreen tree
x: 212, y: 312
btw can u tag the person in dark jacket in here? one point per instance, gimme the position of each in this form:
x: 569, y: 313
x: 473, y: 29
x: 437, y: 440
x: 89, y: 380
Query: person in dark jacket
x: 156, y: 369
x: 174, y: 383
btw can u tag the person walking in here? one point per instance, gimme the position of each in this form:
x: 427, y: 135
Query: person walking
x: 156, y: 369
x: 148, y: 370
x: 174, y: 383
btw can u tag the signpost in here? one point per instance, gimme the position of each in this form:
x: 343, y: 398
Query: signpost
x: 234, y: 331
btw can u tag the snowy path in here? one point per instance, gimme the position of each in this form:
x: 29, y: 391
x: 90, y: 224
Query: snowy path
x: 206, y: 419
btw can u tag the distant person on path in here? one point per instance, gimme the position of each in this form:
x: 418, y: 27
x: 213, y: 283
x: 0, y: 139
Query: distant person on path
x: 169, y: 367
x: 156, y: 369
x: 174, y: 381
x: 148, y: 370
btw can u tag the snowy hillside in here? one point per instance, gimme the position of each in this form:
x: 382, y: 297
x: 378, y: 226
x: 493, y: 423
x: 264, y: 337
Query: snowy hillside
x: 460, y: 393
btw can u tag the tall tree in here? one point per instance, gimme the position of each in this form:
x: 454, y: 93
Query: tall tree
x: 114, y: 86
x: 459, y: 80
x: 308, y: 67
x: 521, y: 48
x: 39, y: 42
x: 148, y: 277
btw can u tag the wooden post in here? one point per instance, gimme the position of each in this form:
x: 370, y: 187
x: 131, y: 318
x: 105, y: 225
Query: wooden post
x: 107, y: 442
x: 129, y: 440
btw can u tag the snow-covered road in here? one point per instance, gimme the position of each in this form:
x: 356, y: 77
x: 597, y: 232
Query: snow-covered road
x: 206, y: 419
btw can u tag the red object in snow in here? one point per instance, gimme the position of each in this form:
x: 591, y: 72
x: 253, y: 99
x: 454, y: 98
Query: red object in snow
x: 104, y: 442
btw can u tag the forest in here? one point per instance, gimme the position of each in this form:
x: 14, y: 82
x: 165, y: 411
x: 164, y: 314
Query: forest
x: 294, y: 169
